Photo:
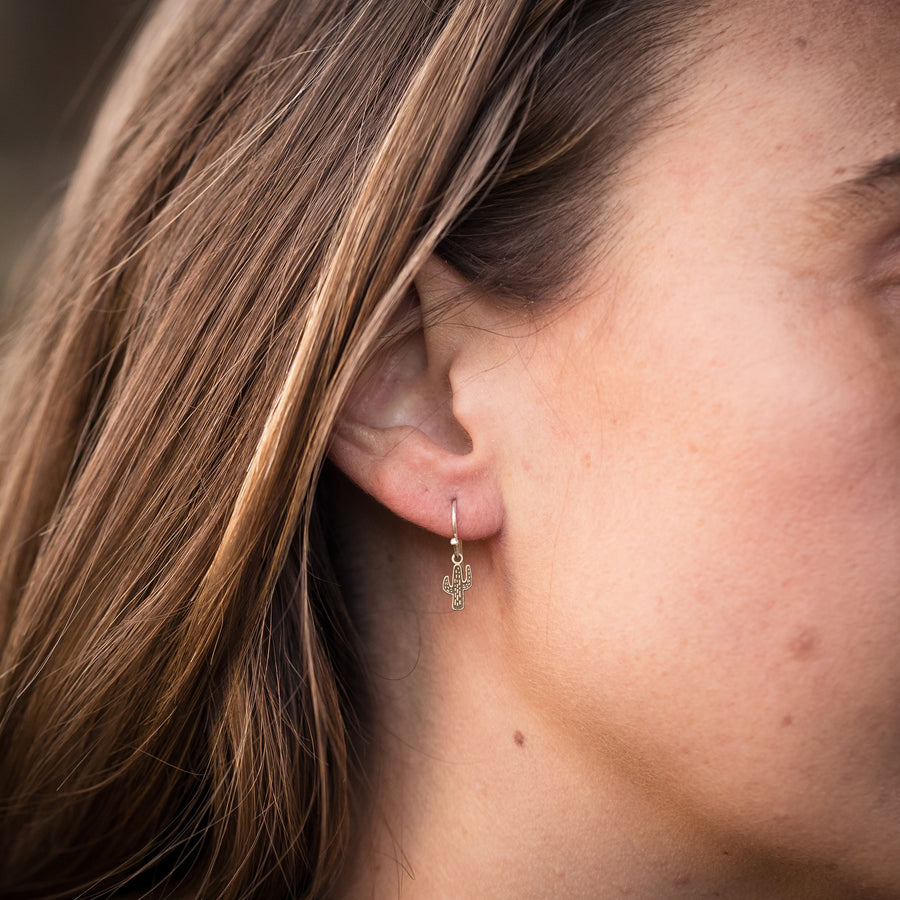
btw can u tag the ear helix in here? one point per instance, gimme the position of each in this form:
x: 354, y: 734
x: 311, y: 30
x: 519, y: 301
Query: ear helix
x: 458, y: 586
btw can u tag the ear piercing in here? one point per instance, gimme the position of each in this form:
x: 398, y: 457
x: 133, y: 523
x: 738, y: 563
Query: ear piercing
x: 458, y: 586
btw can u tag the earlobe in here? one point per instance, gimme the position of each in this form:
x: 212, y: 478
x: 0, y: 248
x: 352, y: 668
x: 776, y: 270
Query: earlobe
x: 398, y: 438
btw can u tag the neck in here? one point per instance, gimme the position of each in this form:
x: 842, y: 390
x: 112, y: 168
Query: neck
x: 475, y: 788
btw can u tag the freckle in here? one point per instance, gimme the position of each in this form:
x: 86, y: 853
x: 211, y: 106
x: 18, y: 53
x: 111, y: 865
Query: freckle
x: 586, y: 460
x: 787, y: 720
x: 802, y: 644
x: 840, y: 170
x: 802, y: 43
x: 693, y: 447
x: 519, y: 738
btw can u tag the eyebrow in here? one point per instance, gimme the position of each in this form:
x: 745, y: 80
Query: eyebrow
x: 877, y: 183
x: 863, y: 200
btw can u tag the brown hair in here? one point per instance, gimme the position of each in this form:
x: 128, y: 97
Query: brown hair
x: 179, y: 689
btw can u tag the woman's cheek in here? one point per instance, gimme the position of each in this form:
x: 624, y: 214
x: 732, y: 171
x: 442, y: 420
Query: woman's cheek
x: 715, y: 597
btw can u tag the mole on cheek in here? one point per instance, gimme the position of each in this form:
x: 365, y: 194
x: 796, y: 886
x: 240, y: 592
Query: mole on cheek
x: 519, y: 738
x: 803, y: 644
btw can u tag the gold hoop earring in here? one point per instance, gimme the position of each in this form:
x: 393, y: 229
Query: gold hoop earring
x: 458, y: 586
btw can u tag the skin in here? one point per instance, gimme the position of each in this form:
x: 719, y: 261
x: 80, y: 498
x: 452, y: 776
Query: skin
x: 677, y: 671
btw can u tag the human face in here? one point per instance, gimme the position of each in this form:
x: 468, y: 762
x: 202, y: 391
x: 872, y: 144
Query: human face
x: 702, y: 481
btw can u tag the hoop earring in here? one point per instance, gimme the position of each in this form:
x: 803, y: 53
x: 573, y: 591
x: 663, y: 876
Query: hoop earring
x: 458, y: 586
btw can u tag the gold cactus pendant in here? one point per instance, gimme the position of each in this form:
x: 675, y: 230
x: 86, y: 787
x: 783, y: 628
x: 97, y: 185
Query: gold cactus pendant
x: 458, y: 585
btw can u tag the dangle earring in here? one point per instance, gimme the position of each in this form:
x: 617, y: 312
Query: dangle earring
x: 458, y: 586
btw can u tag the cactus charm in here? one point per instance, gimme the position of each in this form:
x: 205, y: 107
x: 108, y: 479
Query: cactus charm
x: 458, y: 586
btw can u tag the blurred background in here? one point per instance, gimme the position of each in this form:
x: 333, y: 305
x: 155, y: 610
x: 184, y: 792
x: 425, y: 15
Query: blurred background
x: 56, y: 59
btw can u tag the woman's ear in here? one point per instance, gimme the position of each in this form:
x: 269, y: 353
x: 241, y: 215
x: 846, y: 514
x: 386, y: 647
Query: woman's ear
x: 399, y: 436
